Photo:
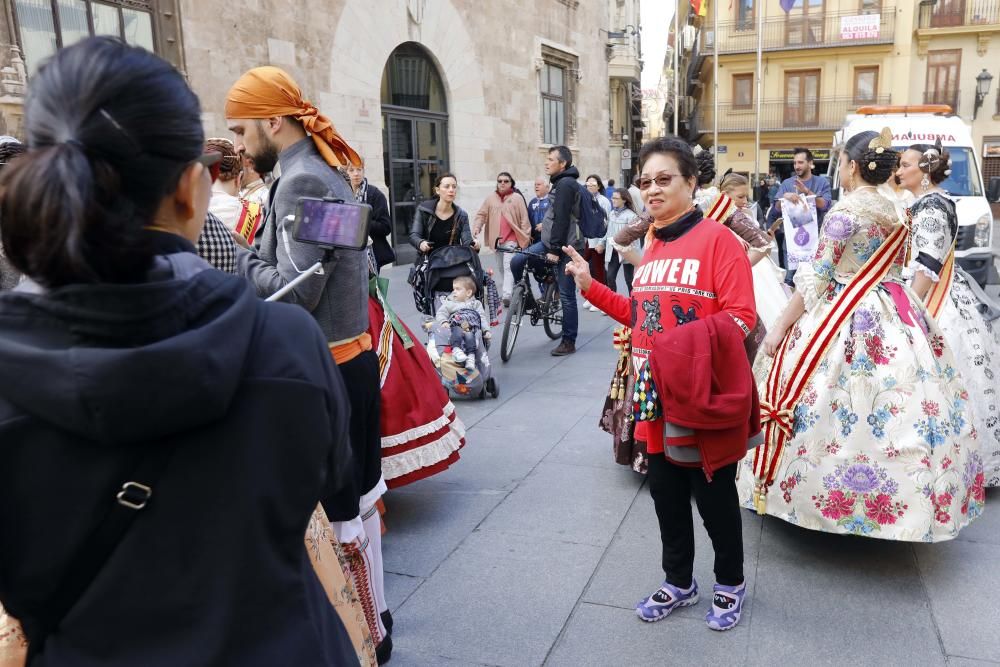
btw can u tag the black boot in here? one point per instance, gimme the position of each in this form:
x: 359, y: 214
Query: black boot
x: 383, y: 652
x: 387, y: 621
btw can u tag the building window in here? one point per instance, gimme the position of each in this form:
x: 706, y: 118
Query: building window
x: 553, y: 104
x: 45, y: 26
x: 744, y: 14
x: 871, y: 6
x: 742, y: 91
x: 865, y: 84
x: 802, y: 98
x: 557, y: 79
x: 943, y: 68
x: 804, y: 23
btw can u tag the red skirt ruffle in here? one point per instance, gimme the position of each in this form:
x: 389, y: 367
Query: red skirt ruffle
x: 421, y: 434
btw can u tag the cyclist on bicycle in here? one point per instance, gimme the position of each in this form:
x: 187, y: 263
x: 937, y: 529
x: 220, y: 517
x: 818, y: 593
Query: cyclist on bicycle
x: 564, y: 197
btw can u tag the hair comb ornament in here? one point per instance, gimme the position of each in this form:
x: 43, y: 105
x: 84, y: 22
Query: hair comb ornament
x: 930, y: 160
x: 882, y: 142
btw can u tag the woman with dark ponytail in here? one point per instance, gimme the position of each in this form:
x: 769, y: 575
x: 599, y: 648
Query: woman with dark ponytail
x: 155, y: 426
x: 865, y: 420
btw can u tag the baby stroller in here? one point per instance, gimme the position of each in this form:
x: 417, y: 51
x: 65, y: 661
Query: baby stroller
x: 431, y: 282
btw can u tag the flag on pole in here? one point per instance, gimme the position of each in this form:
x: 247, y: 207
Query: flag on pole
x: 699, y: 7
x: 787, y: 5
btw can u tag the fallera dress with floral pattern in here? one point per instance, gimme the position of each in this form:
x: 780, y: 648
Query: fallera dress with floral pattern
x: 882, y: 445
x: 974, y: 340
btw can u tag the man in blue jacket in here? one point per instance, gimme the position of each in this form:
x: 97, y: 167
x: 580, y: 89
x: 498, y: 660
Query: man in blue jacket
x: 538, y: 206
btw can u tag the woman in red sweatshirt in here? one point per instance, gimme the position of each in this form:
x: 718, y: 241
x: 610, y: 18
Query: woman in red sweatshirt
x: 692, y: 268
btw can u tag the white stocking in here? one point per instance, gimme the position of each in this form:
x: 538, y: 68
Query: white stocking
x: 373, y: 530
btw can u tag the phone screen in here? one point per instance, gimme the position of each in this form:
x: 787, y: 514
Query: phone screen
x: 335, y: 224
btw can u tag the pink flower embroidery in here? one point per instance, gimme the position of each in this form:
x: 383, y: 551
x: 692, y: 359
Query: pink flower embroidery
x: 880, y: 510
x: 838, y: 505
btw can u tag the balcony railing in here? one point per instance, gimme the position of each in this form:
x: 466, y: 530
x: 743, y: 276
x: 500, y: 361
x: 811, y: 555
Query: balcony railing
x: 949, y: 96
x: 950, y: 13
x: 798, y: 31
x: 780, y: 115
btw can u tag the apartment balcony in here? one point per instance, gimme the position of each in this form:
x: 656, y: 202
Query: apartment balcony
x: 624, y: 63
x: 794, y: 31
x: 959, y: 13
x: 780, y: 115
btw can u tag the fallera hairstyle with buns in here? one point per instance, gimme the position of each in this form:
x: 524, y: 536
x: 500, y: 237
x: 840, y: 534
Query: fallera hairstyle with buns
x: 874, y: 155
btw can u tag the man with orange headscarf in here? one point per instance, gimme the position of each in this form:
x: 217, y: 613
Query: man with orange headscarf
x: 274, y: 125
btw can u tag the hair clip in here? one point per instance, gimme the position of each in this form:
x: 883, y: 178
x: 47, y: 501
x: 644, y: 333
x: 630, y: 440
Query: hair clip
x: 872, y: 166
x: 883, y: 140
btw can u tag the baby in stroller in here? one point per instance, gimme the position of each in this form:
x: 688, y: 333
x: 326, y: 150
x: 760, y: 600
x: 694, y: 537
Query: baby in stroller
x: 463, y: 315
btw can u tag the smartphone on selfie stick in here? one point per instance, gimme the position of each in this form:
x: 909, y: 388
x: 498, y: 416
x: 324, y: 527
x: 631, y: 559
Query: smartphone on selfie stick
x: 330, y: 224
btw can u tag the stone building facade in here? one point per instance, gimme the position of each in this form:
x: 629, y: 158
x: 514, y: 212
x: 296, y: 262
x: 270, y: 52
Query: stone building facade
x: 419, y: 87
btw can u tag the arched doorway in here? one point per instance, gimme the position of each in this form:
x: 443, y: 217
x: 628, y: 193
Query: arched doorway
x: 414, y: 135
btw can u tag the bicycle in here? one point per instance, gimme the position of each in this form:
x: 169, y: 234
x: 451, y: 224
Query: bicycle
x: 547, y: 309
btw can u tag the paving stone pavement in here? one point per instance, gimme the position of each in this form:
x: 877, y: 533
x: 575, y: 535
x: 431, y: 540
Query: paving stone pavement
x: 533, y: 548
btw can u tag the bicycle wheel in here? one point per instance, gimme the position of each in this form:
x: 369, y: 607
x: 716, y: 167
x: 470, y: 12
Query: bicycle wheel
x: 512, y: 323
x: 552, y: 322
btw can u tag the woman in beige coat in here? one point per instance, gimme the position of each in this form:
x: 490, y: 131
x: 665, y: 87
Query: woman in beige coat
x: 504, y: 216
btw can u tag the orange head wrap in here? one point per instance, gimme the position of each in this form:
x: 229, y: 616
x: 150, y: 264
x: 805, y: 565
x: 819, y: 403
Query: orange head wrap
x: 265, y: 92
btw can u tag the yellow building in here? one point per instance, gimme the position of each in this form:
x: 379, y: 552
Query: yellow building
x: 821, y: 60
x: 955, y: 63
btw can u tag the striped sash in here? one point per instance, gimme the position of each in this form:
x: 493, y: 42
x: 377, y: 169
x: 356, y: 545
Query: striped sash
x: 939, y: 291
x: 391, y: 326
x: 249, y: 220
x: 777, y: 407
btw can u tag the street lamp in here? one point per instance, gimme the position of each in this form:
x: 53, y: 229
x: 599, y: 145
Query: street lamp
x: 983, y: 82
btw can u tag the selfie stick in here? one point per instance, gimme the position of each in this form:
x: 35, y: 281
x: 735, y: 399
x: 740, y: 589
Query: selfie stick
x: 315, y: 269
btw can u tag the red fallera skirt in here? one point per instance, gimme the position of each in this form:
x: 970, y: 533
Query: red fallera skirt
x: 421, y: 433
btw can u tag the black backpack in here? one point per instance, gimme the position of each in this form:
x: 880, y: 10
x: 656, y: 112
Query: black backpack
x: 593, y: 220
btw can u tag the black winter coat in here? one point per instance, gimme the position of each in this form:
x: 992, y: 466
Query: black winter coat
x: 213, y: 571
x: 425, y: 218
x: 380, y: 228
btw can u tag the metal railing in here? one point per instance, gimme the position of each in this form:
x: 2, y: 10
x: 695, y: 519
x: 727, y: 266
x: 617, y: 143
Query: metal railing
x: 949, y: 96
x: 778, y: 115
x: 949, y: 13
x: 798, y: 31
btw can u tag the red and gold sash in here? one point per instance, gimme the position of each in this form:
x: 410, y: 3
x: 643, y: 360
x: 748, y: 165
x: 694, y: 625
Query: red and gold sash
x: 249, y: 220
x: 721, y: 208
x: 777, y: 407
x: 939, y: 291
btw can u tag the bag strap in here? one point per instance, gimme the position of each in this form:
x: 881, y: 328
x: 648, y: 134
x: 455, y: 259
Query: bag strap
x: 454, y: 229
x: 87, y: 563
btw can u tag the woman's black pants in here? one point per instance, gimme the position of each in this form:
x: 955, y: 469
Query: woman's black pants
x: 671, y: 487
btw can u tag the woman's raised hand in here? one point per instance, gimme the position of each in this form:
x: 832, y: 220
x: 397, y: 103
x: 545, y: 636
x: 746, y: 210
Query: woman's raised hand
x: 578, y: 268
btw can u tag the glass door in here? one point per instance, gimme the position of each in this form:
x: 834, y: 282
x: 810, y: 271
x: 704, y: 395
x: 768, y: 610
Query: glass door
x: 415, y: 155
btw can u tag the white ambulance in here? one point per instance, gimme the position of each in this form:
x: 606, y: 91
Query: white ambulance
x: 924, y: 125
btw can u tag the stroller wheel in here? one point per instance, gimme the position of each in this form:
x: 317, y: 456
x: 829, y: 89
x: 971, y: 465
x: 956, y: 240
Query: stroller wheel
x: 493, y: 388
